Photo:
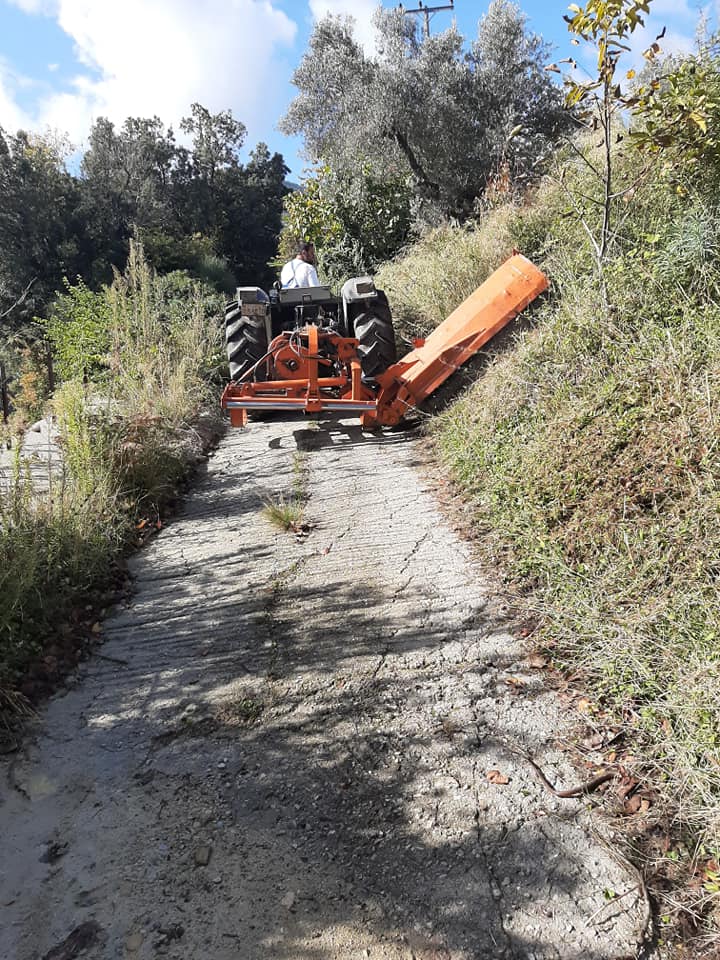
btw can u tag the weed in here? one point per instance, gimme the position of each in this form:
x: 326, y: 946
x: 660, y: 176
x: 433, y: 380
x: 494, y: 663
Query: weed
x: 285, y: 514
x: 289, y: 513
x: 300, y: 477
x: 139, y: 360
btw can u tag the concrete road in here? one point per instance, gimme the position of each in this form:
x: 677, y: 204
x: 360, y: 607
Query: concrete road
x: 282, y: 749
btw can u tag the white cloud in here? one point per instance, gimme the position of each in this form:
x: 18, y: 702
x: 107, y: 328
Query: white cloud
x: 147, y: 57
x: 361, y: 10
x: 12, y: 118
x: 34, y: 6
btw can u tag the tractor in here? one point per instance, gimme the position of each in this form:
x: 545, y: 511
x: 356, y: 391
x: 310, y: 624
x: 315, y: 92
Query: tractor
x: 306, y: 350
x: 255, y: 319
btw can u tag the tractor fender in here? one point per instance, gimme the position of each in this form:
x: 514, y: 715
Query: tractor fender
x: 355, y: 294
x: 251, y: 295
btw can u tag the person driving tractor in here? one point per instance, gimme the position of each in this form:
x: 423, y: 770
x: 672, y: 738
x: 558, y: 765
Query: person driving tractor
x: 300, y: 272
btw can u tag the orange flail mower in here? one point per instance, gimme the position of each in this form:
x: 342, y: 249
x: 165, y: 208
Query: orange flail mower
x: 305, y: 350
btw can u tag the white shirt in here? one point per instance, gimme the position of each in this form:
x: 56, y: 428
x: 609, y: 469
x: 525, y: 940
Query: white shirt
x: 297, y: 273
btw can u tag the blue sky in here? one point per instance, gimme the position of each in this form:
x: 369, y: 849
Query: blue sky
x: 63, y: 63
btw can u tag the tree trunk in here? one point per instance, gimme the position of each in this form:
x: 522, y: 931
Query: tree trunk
x: 432, y: 188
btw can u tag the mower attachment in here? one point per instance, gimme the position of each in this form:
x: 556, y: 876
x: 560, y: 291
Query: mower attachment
x: 315, y: 369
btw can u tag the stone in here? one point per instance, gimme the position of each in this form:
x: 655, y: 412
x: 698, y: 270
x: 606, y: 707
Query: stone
x: 202, y: 855
x: 288, y: 901
x: 133, y: 942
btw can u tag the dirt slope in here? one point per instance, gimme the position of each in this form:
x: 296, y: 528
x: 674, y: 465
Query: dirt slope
x: 282, y: 750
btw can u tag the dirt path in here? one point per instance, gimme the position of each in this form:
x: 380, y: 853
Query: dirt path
x: 281, y: 751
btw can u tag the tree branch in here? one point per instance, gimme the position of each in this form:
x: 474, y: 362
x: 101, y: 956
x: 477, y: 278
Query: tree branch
x: 19, y: 302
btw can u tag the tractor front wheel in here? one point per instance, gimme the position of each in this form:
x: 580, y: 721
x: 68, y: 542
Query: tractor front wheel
x: 245, y: 341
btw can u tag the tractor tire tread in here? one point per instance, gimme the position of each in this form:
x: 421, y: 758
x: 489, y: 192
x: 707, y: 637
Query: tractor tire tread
x: 245, y: 341
x: 376, y: 336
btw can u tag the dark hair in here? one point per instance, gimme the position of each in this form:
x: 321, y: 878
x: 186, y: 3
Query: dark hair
x: 305, y: 246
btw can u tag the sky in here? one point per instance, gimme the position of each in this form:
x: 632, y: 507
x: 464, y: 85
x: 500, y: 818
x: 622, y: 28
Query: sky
x: 64, y: 63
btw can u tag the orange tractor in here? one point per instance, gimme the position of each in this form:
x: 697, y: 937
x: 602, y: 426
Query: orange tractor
x: 304, y: 349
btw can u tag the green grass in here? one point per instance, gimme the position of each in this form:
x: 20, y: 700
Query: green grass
x: 590, y: 450
x: 285, y: 514
x: 288, y: 513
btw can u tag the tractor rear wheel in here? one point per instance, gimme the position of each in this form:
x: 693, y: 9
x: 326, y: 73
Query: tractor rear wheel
x: 374, y: 330
x: 245, y: 341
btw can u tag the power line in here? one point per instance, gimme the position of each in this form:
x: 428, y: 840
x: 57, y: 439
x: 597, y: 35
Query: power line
x: 423, y: 10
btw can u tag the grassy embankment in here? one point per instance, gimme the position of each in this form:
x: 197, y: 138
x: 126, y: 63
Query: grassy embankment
x: 137, y: 362
x: 590, y: 450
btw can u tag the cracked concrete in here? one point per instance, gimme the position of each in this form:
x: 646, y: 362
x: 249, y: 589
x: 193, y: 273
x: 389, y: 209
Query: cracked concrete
x: 282, y: 749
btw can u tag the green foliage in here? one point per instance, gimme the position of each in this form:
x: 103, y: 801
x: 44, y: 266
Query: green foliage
x: 54, y: 550
x: 447, y: 115
x: 194, y: 254
x: 599, y: 102
x: 429, y: 279
x: 589, y: 452
x: 356, y: 223
x: 79, y: 331
x: 607, y: 26
x: 38, y: 240
x: 149, y: 347
x: 676, y: 112
x: 199, y: 208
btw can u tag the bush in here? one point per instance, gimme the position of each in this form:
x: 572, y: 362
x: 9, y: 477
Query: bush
x: 55, y: 549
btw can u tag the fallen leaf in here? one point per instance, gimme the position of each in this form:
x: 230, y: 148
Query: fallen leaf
x: 583, y: 705
x: 141, y: 525
x: 494, y: 776
x: 515, y: 681
x: 627, y: 785
x: 536, y: 661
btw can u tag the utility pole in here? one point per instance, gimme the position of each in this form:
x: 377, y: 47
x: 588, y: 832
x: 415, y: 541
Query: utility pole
x: 423, y: 10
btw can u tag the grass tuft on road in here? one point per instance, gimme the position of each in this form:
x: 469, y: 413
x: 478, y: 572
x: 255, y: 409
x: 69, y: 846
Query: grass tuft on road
x: 285, y: 514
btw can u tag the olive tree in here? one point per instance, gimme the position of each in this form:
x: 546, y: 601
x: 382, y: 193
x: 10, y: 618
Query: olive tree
x: 448, y: 114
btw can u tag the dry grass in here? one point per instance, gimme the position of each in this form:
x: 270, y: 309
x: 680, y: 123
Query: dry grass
x: 431, y: 278
x: 285, y: 514
x: 129, y: 438
x: 591, y: 452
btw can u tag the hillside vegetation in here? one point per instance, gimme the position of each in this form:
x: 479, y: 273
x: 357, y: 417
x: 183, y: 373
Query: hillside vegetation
x: 139, y: 362
x: 590, y: 450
